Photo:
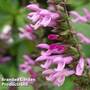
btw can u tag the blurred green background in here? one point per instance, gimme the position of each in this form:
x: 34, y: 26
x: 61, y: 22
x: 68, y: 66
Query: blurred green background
x: 13, y: 13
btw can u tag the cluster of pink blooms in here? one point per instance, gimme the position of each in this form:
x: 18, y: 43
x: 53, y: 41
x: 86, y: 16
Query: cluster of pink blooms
x: 27, y: 66
x: 40, y: 18
x: 79, y: 18
x: 27, y: 33
x: 52, y: 55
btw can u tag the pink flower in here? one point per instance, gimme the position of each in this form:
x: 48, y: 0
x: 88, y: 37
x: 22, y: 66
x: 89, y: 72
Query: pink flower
x: 61, y: 62
x: 43, y: 45
x: 57, y: 77
x: 83, y: 38
x: 49, y: 60
x: 80, y: 67
x: 79, y: 18
x: 27, y: 32
x: 52, y: 48
x: 42, y: 17
x: 27, y: 67
x: 87, y: 13
x: 29, y: 60
x: 57, y: 47
x: 33, y: 7
x: 28, y: 63
x: 53, y: 55
x: 53, y: 36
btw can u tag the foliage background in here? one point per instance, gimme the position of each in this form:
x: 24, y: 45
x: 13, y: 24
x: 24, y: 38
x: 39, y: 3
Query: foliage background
x: 13, y: 12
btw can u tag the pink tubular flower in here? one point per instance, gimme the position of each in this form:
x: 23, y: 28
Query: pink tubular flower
x: 87, y: 13
x: 42, y: 17
x: 79, y: 18
x: 83, y: 38
x: 59, y: 60
x: 27, y: 32
x: 80, y: 67
x: 57, y: 48
x: 57, y: 74
x: 57, y: 77
x: 27, y: 66
x: 55, y: 59
x: 53, y: 36
x: 43, y: 46
x: 28, y: 60
x: 48, y: 55
x: 52, y: 48
x: 33, y: 7
x: 51, y: 56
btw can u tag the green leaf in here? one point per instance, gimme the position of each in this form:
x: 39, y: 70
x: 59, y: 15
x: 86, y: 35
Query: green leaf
x: 68, y: 85
x: 8, y: 6
x: 25, y: 88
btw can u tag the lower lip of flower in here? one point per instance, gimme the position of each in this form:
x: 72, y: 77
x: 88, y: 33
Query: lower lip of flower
x: 56, y: 46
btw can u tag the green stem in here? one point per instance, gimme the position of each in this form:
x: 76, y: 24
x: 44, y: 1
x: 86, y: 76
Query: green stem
x: 71, y: 30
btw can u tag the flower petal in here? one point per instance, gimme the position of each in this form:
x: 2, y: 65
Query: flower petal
x: 80, y: 67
